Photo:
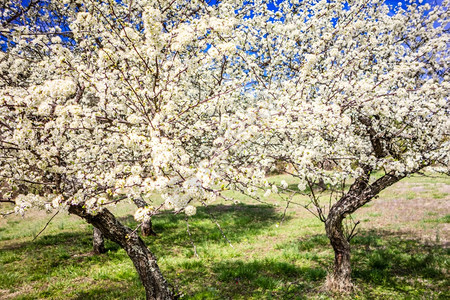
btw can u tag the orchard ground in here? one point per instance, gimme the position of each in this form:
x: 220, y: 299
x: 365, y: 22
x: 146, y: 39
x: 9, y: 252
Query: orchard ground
x: 401, y: 251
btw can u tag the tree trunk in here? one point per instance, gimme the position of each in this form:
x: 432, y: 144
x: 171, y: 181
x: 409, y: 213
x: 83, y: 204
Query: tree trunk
x: 340, y: 279
x: 156, y: 287
x: 98, y: 242
x: 321, y: 185
x: 147, y: 226
x: 360, y: 193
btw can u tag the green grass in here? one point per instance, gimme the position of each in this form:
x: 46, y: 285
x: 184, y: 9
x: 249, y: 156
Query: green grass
x: 444, y: 219
x: 267, y: 260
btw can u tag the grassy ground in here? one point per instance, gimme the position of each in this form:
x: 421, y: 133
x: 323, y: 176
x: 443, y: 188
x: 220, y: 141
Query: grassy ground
x: 401, y: 251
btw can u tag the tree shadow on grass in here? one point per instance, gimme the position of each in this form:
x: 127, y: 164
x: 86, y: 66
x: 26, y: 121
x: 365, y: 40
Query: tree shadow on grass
x: 76, y: 242
x: 71, y: 252
x: 381, y: 257
x: 237, y: 222
x: 385, y: 265
x: 395, y: 261
x: 266, y: 278
x: 105, y: 292
x: 52, y: 252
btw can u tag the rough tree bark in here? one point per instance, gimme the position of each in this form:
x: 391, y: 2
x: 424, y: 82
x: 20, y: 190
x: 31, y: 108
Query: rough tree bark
x: 340, y: 279
x: 360, y: 193
x: 98, y: 242
x: 156, y: 287
x: 147, y: 226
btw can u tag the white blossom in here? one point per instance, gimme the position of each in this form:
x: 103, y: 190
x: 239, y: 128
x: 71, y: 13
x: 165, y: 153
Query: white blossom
x: 190, y: 210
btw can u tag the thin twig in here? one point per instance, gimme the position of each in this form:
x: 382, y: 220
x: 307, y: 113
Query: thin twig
x: 217, y: 223
x: 352, y: 235
x: 45, y: 226
x: 7, y: 214
x: 190, y: 237
x: 285, y: 209
x: 315, y: 201
x: 136, y: 229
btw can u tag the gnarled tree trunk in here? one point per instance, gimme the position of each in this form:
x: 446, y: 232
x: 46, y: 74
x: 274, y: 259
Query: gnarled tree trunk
x: 156, y: 287
x: 340, y: 279
x: 360, y: 193
x: 98, y: 242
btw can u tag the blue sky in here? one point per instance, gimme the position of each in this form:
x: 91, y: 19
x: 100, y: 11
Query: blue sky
x: 393, y: 3
x: 431, y: 2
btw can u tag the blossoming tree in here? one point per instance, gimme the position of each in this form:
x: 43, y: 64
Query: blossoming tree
x: 345, y: 89
x: 187, y: 99
x: 128, y: 99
